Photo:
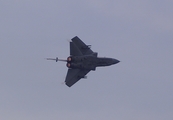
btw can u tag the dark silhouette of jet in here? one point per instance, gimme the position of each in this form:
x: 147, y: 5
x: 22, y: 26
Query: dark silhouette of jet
x: 82, y: 60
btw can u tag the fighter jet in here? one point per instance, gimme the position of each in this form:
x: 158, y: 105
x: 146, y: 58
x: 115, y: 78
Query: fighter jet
x: 82, y: 60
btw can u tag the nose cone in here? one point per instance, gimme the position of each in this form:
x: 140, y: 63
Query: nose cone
x: 115, y: 61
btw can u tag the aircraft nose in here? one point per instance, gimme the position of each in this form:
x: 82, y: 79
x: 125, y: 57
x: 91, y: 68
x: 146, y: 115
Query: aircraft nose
x: 115, y: 61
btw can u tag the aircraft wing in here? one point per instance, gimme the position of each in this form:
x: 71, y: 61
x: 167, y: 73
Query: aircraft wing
x: 74, y: 50
x: 74, y: 75
x: 82, y: 47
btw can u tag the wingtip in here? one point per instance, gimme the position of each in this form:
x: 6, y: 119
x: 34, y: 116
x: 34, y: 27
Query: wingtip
x: 68, y: 40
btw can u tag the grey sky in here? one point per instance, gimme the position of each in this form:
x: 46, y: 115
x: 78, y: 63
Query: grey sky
x: 138, y: 33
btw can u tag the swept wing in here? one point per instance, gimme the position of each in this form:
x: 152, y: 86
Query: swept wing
x: 77, y: 48
x: 74, y: 75
x: 82, y: 47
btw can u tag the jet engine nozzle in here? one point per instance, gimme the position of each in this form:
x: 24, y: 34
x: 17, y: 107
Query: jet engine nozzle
x: 69, y: 59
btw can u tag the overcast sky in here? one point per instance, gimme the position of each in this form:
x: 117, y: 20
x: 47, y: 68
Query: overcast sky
x: 138, y: 33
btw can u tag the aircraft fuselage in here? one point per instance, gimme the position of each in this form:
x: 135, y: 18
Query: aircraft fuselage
x: 89, y: 62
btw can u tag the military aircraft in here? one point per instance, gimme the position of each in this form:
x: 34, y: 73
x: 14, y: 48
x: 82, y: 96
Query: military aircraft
x: 82, y: 60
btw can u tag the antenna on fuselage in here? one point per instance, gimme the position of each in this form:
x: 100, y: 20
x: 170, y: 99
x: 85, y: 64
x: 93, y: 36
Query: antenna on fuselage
x: 56, y: 59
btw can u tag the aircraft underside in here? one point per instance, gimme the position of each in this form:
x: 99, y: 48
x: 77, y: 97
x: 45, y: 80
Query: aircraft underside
x: 81, y: 61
